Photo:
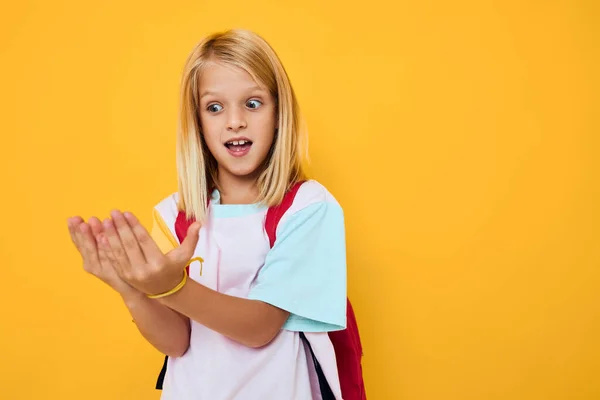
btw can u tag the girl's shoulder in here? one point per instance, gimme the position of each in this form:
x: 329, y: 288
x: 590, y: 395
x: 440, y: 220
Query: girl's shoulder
x: 310, y: 194
x: 172, y: 198
x: 168, y: 206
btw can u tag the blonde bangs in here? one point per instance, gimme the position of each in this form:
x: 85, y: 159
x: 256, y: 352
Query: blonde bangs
x: 196, y: 167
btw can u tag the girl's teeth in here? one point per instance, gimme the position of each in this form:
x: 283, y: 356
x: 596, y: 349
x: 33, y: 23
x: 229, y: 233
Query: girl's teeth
x: 238, y: 143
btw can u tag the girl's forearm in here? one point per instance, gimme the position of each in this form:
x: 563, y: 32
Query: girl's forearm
x: 249, y: 322
x: 165, y: 329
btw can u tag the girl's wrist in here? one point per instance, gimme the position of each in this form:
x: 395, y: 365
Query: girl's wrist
x: 131, y: 295
x: 173, y: 288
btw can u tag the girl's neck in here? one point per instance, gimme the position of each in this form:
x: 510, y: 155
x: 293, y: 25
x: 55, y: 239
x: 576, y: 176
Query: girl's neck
x: 237, y: 190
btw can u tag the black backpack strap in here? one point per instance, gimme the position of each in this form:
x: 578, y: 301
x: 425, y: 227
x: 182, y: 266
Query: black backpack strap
x: 326, y: 392
x: 161, y: 376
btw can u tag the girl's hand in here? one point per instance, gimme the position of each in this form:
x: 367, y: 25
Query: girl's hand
x: 95, y: 261
x: 138, y: 260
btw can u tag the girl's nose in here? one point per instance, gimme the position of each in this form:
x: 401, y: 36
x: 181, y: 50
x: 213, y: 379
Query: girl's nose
x: 236, y: 121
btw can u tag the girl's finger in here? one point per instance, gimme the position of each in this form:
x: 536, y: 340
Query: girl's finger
x: 128, y: 239
x: 122, y: 264
x: 98, y: 232
x: 147, y: 244
x: 104, y: 252
x: 73, y: 225
x: 88, y: 246
x: 96, y: 226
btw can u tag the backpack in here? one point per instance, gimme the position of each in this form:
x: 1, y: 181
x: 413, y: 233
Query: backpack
x: 346, y: 343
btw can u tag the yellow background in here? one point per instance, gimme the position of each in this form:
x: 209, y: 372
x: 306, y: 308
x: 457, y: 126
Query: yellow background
x: 461, y: 138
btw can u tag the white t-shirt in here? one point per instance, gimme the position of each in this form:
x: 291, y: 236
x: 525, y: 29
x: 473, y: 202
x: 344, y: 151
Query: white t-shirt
x: 304, y: 273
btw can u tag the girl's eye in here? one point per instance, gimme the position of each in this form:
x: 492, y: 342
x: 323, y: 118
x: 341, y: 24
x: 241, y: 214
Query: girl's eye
x: 253, y: 104
x: 213, y: 108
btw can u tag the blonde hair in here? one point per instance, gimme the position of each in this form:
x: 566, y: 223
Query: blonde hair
x: 196, y: 167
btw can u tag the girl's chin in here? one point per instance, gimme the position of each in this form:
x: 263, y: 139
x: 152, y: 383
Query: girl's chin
x: 239, y: 172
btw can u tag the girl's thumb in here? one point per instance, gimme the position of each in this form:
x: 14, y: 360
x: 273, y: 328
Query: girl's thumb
x: 191, y: 239
x: 186, y: 250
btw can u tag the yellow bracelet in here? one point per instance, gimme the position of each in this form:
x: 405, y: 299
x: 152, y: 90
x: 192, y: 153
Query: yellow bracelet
x: 170, y: 292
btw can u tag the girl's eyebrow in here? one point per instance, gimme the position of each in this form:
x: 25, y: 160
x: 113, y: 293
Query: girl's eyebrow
x: 208, y: 92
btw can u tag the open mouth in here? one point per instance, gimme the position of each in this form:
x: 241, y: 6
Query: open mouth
x: 238, y: 147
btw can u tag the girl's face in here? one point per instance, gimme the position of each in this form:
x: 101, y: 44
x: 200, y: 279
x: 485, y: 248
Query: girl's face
x: 238, y: 119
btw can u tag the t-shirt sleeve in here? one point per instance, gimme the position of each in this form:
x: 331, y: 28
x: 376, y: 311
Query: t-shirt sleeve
x: 305, y: 271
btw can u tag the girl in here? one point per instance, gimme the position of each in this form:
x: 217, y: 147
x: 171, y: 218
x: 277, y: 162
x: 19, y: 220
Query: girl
x: 237, y: 323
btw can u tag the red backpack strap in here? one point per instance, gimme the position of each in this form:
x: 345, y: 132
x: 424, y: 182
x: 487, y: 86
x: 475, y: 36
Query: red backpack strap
x: 348, y: 353
x: 182, y: 225
x: 346, y: 343
x: 275, y: 213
